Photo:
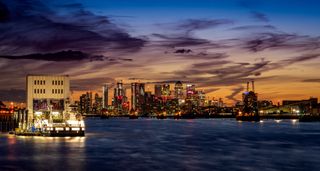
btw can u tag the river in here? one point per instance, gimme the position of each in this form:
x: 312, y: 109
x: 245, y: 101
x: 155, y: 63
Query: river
x: 151, y: 144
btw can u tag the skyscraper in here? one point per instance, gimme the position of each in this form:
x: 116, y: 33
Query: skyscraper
x: 190, y: 91
x: 137, y: 97
x: 120, y: 99
x: 165, y: 90
x: 178, y: 90
x: 105, y: 96
x: 157, y: 90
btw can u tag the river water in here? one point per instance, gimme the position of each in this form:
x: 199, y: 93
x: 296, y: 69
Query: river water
x: 151, y: 144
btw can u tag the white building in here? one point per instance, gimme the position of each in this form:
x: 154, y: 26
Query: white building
x: 48, y: 97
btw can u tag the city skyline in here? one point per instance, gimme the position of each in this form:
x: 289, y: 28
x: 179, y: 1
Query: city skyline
x: 216, y: 45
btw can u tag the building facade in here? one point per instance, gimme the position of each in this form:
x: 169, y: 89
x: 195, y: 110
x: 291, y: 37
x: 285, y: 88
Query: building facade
x: 48, y: 97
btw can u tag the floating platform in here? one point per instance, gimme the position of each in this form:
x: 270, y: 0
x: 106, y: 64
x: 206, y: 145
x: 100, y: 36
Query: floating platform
x: 79, y: 133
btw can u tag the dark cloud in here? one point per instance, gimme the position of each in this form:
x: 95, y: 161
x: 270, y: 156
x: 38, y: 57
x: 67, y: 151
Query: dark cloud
x: 173, y: 41
x: 58, y: 57
x: 183, y: 51
x: 181, y: 33
x: 235, y: 92
x: 210, y: 64
x: 65, y: 56
x: 254, y: 27
x: 36, y: 28
x: 228, y: 73
x: 312, y: 80
x: 203, y: 56
x: 258, y: 16
x: 302, y: 58
x: 283, y: 41
x: 16, y: 95
x: 190, y: 25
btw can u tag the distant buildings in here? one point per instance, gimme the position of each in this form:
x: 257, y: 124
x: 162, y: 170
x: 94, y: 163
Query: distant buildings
x: 85, y: 103
x: 250, y: 102
x: 138, y: 97
x: 120, y: 100
x: 178, y: 90
x: 157, y: 90
x: 105, y: 93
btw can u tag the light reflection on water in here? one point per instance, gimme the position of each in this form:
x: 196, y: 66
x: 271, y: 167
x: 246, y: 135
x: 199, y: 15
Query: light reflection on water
x: 150, y: 144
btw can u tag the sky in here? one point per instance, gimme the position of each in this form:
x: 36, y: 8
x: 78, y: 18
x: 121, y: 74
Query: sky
x: 217, y: 45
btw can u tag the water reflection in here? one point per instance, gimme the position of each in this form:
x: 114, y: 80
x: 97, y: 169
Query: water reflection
x: 150, y: 144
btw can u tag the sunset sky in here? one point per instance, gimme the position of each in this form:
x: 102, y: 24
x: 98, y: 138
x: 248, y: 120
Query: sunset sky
x: 217, y: 45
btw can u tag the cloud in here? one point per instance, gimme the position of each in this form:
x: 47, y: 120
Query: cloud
x: 312, y: 80
x: 210, y: 64
x: 16, y: 95
x: 183, y: 51
x: 235, y: 92
x: 181, y: 33
x: 254, y: 27
x: 90, y: 83
x: 191, y: 25
x: 33, y: 27
x: 57, y: 57
x: 258, y: 16
x: 173, y: 41
x: 282, y: 41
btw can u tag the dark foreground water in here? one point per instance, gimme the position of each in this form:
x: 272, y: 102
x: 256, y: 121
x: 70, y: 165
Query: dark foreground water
x: 150, y: 144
